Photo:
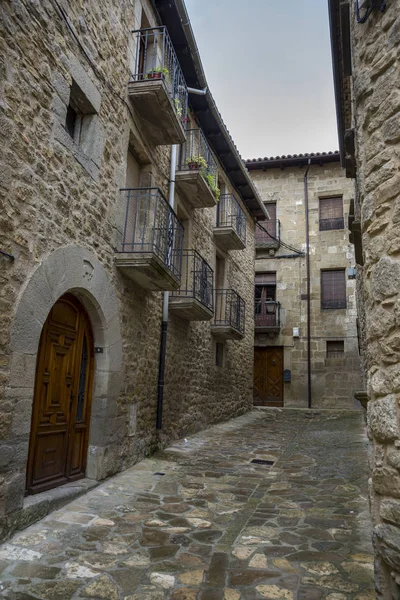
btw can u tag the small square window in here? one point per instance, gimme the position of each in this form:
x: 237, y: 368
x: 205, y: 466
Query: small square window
x: 335, y: 349
x: 219, y: 354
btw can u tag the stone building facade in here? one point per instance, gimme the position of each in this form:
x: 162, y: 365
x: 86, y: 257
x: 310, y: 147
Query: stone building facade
x: 366, y: 64
x: 88, y: 108
x: 281, y: 332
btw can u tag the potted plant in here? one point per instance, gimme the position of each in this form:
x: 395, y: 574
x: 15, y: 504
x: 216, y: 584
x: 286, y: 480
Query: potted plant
x: 215, y: 189
x: 178, y: 106
x: 158, y: 73
x: 196, y: 162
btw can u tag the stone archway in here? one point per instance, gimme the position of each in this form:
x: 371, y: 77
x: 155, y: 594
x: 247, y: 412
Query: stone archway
x: 75, y: 270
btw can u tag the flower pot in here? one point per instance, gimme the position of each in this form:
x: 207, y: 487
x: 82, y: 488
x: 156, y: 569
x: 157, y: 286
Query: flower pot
x: 153, y: 75
x: 193, y: 166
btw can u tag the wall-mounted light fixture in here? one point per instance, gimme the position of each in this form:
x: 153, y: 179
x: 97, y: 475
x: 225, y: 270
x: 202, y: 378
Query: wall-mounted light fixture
x: 270, y: 307
x: 365, y: 7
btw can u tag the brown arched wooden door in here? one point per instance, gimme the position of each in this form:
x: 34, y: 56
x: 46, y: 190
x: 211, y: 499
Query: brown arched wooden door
x: 62, y: 399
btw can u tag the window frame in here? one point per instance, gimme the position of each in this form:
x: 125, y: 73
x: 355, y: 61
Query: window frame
x: 341, y: 302
x: 335, y: 353
x: 340, y: 226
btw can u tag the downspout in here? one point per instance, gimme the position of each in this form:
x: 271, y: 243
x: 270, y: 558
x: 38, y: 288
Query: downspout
x: 308, y: 286
x: 164, y: 324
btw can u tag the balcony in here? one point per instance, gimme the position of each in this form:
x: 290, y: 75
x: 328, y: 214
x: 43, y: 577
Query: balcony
x: 269, y: 237
x: 197, y: 172
x: 194, y: 299
x: 150, y: 250
x: 267, y: 316
x: 230, y: 230
x: 157, y: 88
x: 229, y: 315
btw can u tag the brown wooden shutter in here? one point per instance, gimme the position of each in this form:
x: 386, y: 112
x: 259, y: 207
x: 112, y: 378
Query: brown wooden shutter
x: 331, y: 208
x: 271, y: 208
x: 333, y: 289
x: 265, y: 278
x: 331, y: 213
x: 335, y: 349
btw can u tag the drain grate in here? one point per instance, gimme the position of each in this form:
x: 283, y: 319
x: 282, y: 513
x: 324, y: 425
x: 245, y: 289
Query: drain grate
x: 160, y: 474
x: 259, y: 461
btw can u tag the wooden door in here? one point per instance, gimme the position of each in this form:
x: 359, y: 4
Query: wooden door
x: 62, y: 398
x: 268, y: 376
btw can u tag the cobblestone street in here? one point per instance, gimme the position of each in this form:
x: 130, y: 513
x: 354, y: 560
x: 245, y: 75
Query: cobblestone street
x: 201, y: 521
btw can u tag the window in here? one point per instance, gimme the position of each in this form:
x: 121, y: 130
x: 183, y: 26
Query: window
x: 264, y: 295
x: 219, y: 354
x: 80, y: 117
x: 335, y: 349
x: 333, y: 289
x: 331, y: 213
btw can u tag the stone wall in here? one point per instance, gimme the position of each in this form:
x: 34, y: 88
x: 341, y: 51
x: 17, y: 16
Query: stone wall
x: 376, y: 118
x: 59, y: 219
x: 334, y: 380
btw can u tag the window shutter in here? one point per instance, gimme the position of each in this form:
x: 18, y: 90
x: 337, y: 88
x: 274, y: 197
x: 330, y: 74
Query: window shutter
x: 271, y: 208
x: 333, y: 289
x: 331, y: 213
x: 335, y: 349
x: 265, y: 278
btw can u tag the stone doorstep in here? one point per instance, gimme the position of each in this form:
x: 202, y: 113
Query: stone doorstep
x: 38, y: 506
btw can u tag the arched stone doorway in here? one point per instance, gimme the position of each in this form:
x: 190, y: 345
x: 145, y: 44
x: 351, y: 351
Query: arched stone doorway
x: 68, y: 270
x: 62, y: 398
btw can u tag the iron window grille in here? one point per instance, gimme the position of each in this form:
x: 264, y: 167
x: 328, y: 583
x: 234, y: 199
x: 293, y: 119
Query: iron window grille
x: 231, y: 214
x: 229, y: 310
x: 270, y: 235
x: 155, y: 58
x: 151, y: 226
x: 196, y: 154
x: 267, y: 312
x: 197, y: 279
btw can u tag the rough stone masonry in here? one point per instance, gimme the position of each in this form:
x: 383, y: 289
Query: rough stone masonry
x: 367, y: 80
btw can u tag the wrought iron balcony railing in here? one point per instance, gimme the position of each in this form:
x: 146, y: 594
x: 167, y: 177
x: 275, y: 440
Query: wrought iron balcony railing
x: 230, y: 310
x: 196, y: 155
x: 231, y: 214
x: 151, y: 226
x: 269, y: 236
x: 334, y: 223
x: 197, y: 279
x: 267, y: 314
x: 155, y: 58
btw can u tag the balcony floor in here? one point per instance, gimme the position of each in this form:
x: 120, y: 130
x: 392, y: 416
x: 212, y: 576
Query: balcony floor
x: 190, y: 309
x: 194, y: 188
x: 226, y: 238
x: 147, y: 270
x: 152, y: 101
x: 226, y: 332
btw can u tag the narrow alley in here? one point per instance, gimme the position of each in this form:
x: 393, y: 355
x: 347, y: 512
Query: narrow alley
x: 271, y: 505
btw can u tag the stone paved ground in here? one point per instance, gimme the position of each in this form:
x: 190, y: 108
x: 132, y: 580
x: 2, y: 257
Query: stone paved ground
x: 201, y: 522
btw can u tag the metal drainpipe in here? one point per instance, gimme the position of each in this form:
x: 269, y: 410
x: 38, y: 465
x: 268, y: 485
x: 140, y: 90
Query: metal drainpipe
x: 164, y: 325
x: 308, y: 286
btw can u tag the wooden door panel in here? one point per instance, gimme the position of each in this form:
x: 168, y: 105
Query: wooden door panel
x: 56, y: 449
x: 50, y: 459
x: 268, y: 376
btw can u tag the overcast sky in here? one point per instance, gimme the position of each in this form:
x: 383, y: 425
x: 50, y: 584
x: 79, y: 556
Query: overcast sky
x: 268, y: 66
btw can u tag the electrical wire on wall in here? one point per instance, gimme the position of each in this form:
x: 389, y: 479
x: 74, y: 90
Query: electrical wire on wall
x: 282, y: 243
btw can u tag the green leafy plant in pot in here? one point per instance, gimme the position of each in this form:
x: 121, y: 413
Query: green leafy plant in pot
x: 158, y: 73
x: 196, y: 163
